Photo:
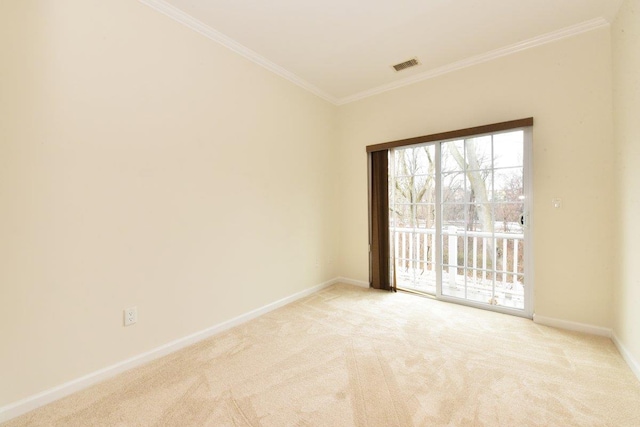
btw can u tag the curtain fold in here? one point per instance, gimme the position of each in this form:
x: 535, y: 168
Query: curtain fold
x: 380, y: 277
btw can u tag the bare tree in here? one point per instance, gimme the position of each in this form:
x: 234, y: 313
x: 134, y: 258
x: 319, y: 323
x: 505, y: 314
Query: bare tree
x: 417, y: 186
x: 475, y: 171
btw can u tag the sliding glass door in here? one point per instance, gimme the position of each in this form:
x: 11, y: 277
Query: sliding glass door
x: 412, y: 217
x: 458, y: 220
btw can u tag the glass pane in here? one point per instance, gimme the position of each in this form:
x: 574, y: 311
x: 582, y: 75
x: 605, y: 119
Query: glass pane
x: 453, y: 217
x: 452, y: 156
x: 507, y: 149
x: 478, y: 153
x: 509, y: 293
x: 426, y: 216
x: 402, y: 166
x: 415, y: 161
x: 508, y: 217
x: 425, y: 159
x: 454, y: 188
x: 481, y: 218
x: 401, y: 216
x: 414, y: 189
x: 425, y: 189
x: 479, y: 288
x: 453, y: 250
x: 510, y: 258
x: 404, y: 278
x: 404, y: 190
x: 508, y: 185
x: 426, y: 274
x: 451, y: 286
x: 479, y: 250
x: 447, y: 289
x: 427, y: 282
x: 518, y: 258
x: 479, y: 186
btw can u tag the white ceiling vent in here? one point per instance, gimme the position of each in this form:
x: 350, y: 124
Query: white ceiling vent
x: 406, y: 64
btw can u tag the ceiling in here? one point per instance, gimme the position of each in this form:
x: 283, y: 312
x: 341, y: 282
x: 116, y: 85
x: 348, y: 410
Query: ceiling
x: 343, y: 50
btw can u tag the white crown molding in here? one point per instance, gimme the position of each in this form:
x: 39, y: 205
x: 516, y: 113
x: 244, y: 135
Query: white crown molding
x: 189, y: 21
x: 479, y: 59
x: 200, y: 27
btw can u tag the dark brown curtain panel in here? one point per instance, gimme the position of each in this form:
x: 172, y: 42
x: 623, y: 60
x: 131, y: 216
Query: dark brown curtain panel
x: 380, y: 221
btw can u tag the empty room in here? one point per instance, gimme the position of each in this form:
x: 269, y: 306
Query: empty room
x: 337, y: 213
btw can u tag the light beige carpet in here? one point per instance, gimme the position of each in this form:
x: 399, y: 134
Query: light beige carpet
x: 348, y: 356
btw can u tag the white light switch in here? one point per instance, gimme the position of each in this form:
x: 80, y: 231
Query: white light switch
x: 556, y: 203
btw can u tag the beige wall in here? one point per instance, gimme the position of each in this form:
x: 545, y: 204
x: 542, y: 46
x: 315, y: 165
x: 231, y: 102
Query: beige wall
x: 143, y: 164
x: 626, y: 89
x: 566, y: 87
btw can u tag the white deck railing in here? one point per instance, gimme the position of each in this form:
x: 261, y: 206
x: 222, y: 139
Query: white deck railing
x: 493, y: 272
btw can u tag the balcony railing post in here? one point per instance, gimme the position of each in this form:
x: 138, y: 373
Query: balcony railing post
x: 453, y: 254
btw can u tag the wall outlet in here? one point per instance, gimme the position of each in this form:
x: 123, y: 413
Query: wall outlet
x: 130, y: 316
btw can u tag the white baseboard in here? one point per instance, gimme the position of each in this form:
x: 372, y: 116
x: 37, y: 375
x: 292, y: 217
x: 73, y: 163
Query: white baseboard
x: 32, y: 402
x: 626, y: 355
x: 353, y: 282
x: 572, y: 326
